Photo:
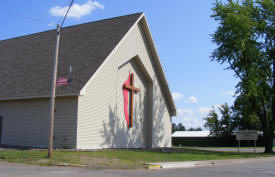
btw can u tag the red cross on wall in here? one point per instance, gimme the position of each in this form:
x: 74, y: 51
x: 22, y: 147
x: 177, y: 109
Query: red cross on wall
x: 132, y: 91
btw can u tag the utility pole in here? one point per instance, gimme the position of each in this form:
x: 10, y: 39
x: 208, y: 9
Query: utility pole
x: 52, y: 103
x: 54, y: 75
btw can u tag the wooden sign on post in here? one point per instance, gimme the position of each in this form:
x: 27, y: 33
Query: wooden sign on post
x: 247, y: 135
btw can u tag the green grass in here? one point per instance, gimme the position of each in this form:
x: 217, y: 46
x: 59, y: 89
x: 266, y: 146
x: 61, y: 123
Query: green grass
x: 36, y: 157
x: 117, y: 159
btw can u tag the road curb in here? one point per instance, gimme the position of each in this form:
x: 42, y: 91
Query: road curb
x: 70, y: 165
x: 154, y: 167
x: 188, y: 164
x: 192, y: 164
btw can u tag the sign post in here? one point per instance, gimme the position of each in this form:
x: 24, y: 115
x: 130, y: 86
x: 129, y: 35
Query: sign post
x: 247, y: 135
x: 255, y: 146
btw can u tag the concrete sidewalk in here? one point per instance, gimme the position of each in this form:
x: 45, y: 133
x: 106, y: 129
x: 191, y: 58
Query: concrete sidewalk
x: 192, y: 164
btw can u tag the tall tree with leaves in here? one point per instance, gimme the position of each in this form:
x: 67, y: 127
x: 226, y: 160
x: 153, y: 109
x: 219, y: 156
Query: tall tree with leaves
x: 224, y: 125
x: 181, y: 127
x: 245, y: 115
x: 245, y: 40
x: 174, y: 127
x: 227, y: 122
x: 212, y: 123
x: 178, y: 127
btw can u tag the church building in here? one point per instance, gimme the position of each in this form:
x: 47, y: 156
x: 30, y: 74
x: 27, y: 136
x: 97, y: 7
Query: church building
x: 111, y: 89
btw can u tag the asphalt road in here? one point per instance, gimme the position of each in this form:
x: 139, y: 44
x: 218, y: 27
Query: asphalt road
x: 253, y: 169
x: 233, y: 149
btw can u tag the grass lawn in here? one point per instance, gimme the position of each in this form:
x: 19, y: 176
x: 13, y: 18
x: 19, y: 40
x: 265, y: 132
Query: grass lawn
x: 117, y: 159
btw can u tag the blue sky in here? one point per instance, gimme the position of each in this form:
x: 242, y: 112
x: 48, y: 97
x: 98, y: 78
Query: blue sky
x: 181, y: 31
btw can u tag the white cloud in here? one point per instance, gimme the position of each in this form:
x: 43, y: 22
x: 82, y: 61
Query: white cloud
x: 189, y: 118
x: 203, y: 111
x: 228, y: 93
x: 177, y: 95
x: 185, y: 112
x: 188, y: 112
x: 194, y: 122
x: 194, y: 117
x: 193, y: 99
x: 77, y: 10
x: 179, y: 111
x: 52, y: 24
x: 216, y: 106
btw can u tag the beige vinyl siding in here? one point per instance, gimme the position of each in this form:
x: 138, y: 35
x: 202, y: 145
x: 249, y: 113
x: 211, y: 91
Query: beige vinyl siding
x: 134, y: 137
x: 26, y: 122
x: 102, y: 98
x: 109, y: 128
x: 95, y: 107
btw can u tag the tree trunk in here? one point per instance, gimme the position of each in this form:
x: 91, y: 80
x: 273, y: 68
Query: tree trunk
x: 268, y: 138
x: 269, y: 149
x: 268, y: 142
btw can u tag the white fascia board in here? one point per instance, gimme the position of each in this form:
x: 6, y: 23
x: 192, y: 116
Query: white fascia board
x: 159, y: 66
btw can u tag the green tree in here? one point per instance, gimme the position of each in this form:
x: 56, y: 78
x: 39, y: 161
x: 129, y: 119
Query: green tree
x: 245, y: 115
x: 212, y: 123
x: 245, y: 42
x: 181, y: 127
x: 227, y: 125
x: 178, y: 127
x: 198, y: 129
x: 174, y: 127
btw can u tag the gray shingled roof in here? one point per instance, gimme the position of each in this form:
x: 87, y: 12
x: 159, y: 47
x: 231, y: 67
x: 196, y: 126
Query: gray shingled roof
x: 26, y: 62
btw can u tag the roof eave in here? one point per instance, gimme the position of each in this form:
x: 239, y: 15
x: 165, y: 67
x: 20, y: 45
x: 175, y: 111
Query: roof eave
x: 38, y: 97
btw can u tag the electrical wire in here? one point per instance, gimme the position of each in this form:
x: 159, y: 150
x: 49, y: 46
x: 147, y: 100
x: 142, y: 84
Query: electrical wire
x: 68, y: 4
x: 38, y: 20
x: 67, y: 13
x: 24, y: 16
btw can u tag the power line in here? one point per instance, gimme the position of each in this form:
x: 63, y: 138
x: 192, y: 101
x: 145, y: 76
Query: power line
x: 67, y: 13
x: 24, y: 16
x: 68, y: 4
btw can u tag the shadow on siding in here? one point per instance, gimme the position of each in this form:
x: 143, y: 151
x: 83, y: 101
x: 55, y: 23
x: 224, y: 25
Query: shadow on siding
x: 116, y: 133
x: 158, y: 136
